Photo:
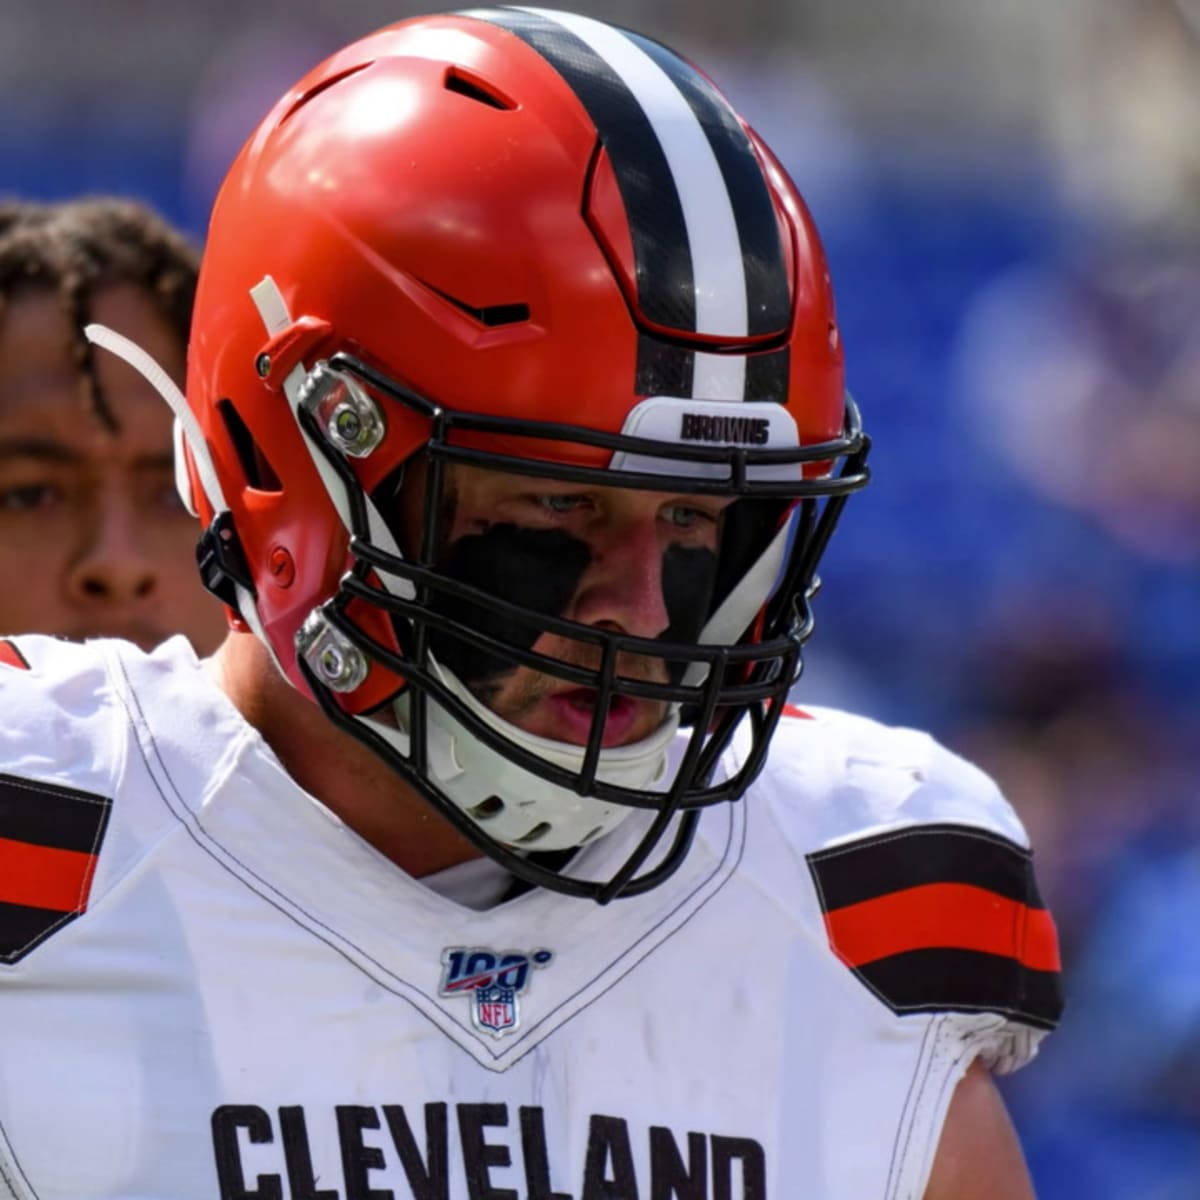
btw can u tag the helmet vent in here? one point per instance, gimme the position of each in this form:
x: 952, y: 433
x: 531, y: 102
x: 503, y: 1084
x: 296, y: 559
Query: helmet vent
x: 491, y: 315
x: 256, y: 467
x: 323, y: 86
x: 502, y: 314
x: 475, y: 88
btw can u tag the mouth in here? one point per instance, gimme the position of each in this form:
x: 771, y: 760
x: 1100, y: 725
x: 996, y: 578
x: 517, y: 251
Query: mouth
x: 574, y: 711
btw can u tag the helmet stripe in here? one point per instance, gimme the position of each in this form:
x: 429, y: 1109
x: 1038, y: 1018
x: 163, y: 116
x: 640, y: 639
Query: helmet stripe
x: 719, y: 280
x: 758, y: 230
x: 663, y: 368
x: 663, y: 256
x: 684, y: 168
x: 767, y: 376
x: 667, y: 369
x: 719, y: 376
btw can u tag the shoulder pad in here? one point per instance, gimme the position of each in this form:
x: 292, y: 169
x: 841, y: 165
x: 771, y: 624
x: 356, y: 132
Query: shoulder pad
x: 920, y: 865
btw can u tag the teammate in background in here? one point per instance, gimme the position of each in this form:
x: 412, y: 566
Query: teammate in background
x: 484, y: 858
x: 93, y: 538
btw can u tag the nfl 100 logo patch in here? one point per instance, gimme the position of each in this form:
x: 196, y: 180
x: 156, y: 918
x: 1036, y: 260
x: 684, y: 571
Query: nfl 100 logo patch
x: 494, y: 982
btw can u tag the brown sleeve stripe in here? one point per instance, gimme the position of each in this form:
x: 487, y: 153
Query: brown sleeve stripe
x: 903, y: 858
x: 951, y: 916
x: 50, y: 839
x: 942, y: 918
x: 11, y: 656
x: 965, y: 981
x: 48, y: 814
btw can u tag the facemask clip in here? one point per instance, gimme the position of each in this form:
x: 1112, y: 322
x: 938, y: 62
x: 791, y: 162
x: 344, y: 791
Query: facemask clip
x: 339, y: 664
x: 348, y: 417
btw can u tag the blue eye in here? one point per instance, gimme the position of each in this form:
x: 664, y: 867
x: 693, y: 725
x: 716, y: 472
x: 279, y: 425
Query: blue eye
x: 684, y: 516
x: 560, y: 504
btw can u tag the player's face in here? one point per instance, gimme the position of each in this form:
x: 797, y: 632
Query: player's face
x: 93, y: 539
x: 631, y: 562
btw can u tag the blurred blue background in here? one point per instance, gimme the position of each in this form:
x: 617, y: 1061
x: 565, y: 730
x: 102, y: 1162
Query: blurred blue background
x: 1010, y: 197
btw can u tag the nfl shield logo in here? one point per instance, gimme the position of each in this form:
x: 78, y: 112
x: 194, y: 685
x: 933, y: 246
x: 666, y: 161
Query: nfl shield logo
x: 492, y: 980
x: 496, y: 1008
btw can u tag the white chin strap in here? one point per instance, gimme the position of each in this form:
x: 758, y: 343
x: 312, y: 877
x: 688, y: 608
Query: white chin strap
x: 511, y: 804
x: 186, y: 431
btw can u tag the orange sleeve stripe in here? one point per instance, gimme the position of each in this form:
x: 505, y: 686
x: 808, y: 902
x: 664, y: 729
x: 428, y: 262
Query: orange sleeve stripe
x: 948, y: 916
x: 11, y: 656
x: 41, y: 877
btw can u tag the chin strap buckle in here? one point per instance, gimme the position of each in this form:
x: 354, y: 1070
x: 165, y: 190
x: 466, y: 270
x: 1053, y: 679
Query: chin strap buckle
x: 221, y: 561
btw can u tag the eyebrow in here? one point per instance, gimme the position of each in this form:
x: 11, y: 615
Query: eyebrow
x: 48, y: 450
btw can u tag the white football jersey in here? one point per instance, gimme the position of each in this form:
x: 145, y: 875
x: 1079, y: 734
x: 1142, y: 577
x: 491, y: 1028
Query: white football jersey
x: 212, y: 989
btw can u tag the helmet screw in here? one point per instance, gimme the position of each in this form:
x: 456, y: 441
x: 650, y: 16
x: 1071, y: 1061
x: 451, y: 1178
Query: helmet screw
x: 342, y: 667
x: 348, y: 424
x: 337, y: 662
x: 281, y: 566
x: 349, y: 418
x: 262, y: 364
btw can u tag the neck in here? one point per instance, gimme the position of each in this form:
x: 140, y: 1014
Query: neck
x: 331, y: 765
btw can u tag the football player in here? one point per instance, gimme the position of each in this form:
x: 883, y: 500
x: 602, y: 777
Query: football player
x: 93, y: 539
x: 486, y: 857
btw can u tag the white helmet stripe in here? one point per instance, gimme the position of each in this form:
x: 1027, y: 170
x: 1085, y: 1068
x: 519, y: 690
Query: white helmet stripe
x: 719, y: 376
x: 712, y: 233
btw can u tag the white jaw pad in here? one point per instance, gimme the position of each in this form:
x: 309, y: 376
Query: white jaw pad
x: 472, y: 774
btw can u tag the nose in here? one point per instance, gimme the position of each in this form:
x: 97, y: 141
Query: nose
x: 111, y: 568
x: 622, y: 589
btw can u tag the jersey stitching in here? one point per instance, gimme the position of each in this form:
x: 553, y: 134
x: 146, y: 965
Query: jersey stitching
x: 912, y: 1104
x: 926, y: 1073
x: 53, y: 789
x: 11, y: 1172
x: 893, y: 1177
x: 984, y: 835
x: 968, y: 1051
x: 969, y: 1043
x: 650, y: 950
x: 85, y: 884
x: 202, y: 839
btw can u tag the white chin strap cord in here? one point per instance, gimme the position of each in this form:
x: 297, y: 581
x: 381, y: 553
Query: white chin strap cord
x: 186, y: 430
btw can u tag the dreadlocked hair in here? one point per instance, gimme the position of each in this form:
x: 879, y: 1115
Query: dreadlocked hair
x: 76, y: 248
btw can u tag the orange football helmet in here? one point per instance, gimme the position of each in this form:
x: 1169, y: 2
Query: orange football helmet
x: 532, y: 241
